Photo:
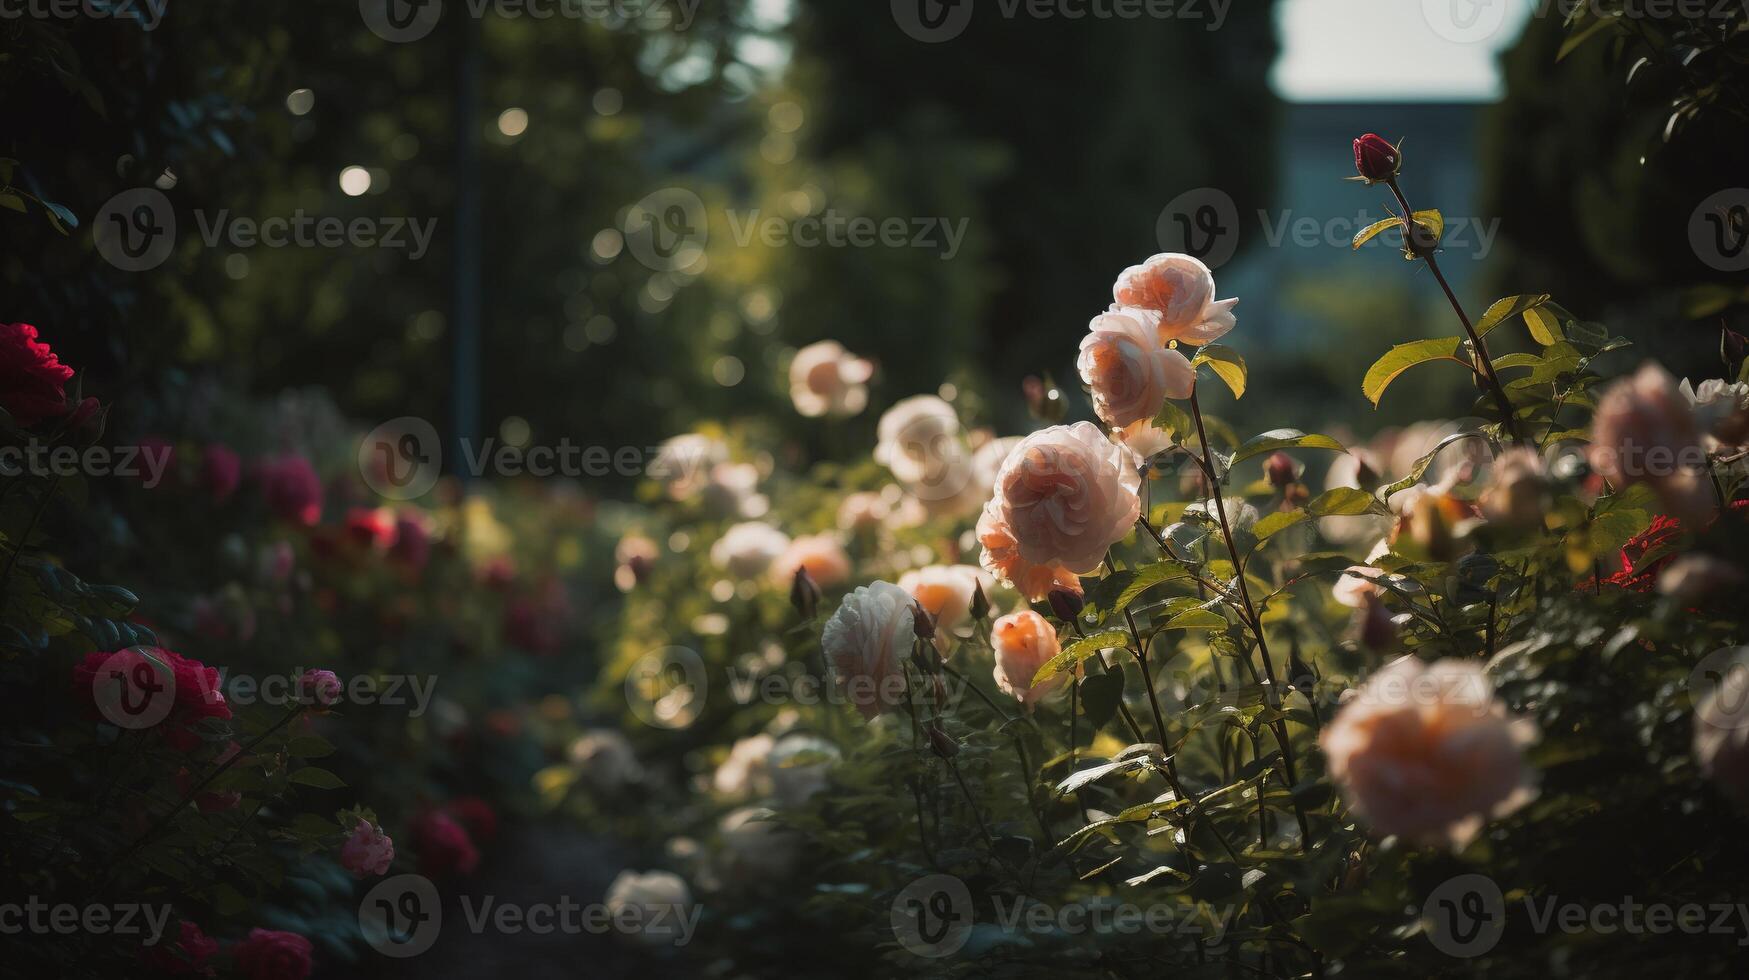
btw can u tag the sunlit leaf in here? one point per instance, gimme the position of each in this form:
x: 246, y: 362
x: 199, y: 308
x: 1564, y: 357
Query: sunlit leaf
x: 1405, y: 356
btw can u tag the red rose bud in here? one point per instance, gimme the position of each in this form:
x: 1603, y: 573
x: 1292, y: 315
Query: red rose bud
x: 924, y: 622
x: 1376, y: 159
x: 1066, y: 604
x: 804, y: 594
x: 1281, y: 470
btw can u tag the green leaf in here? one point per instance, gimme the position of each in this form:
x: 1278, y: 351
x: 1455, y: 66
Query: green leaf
x: 1274, y: 439
x: 1092, y: 774
x: 1405, y: 356
x: 1373, y: 230
x: 12, y: 201
x: 1545, y: 329
x: 1078, y: 651
x: 1119, y: 589
x: 310, y: 747
x: 1432, y: 220
x: 318, y: 778
x: 1227, y: 365
x: 1419, y: 469
x: 1573, y: 41
x: 1344, y: 502
x: 1100, y: 694
x: 1277, y: 522
x: 1196, y: 619
x: 1506, y: 309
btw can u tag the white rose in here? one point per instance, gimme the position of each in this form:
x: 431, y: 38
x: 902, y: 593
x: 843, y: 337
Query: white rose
x: 800, y: 765
x: 920, y: 440
x: 747, y: 550
x: 756, y: 848
x: 746, y: 772
x: 866, y: 641
x: 683, y: 463
x: 605, y: 759
x: 656, y: 905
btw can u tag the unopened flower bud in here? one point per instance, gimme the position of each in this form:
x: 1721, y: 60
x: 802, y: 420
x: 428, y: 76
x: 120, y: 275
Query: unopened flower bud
x: 804, y: 594
x: 1377, y: 631
x: 1376, y: 159
x: 1281, y: 470
x: 925, y: 623
x: 942, y: 743
x: 980, y: 607
x: 1067, y: 604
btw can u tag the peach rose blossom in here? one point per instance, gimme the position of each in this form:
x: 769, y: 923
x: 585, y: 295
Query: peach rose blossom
x: 1130, y: 373
x: 1179, y: 291
x: 746, y: 772
x: 945, y: 592
x: 863, y: 511
x: 1001, y: 558
x: 826, y: 379
x: 1143, y: 439
x: 732, y: 489
x: 821, y: 554
x: 683, y: 463
x: 1355, y: 586
x: 1644, y: 432
x: 1064, y: 496
x: 1519, y: 489
x: 866, y: 642
x: 1023, y: 641
x: 747, y: 550
x: 1427, y: 753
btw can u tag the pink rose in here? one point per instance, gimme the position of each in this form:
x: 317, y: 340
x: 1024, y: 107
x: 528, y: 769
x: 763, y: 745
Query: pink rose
x: 826, y: 379
x: 271, y: 955
x: 1023, y: 642
x: 220, y: 472
x: 1427, y: 753
x: 320, y: 687
x: 866, y: 642
x: 368, y: 851
x: 1062, y: 498
x: 292, y: 489
x: 1130, y: 372
x: 1179, y: 291
x: 820, y: 554
x: 1644, y: 432
x: 187, y: 956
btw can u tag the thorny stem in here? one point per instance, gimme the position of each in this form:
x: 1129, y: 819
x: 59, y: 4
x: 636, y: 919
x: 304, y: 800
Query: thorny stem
x: 1508, y: 419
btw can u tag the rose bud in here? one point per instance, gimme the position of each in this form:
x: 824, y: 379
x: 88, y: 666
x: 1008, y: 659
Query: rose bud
x: 1376, y: 159
x: 804, y: 594
x: 1067, y: 604
x: 943, y: 743
x: 980, y: 603
x: 1377, y: 631
x: 1281, y: 470
x: 925, y: 623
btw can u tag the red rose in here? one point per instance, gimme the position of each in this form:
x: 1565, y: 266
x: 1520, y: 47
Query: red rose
x: 292, y: 488
x: 271, y: 955
x: 442, y: 845
x: 476, y: 815
x: 187, y: 956
x: 371, y: 527
x: 220, y: 472
x: 195, y: 692
x: 1376, y: 159
x: 33, y: 381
